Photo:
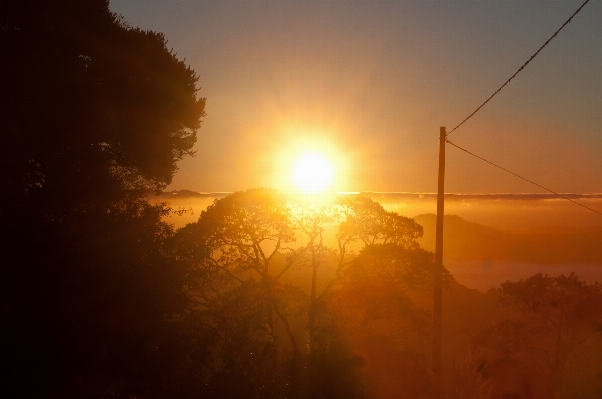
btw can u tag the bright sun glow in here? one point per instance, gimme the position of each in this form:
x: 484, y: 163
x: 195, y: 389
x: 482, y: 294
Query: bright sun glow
x: 312, y: 172
x: 309, y: 163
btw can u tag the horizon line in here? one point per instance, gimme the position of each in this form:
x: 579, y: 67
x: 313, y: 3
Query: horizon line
x: 400, y: 193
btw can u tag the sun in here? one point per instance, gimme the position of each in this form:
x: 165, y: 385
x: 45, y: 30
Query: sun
x: 312, y: 172
x: 309, y: 164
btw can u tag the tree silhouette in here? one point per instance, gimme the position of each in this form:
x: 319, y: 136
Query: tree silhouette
x: 94, y: 113
x: 245, y: 235
x: 373, y: 295
x: 90, y: 105
x: 365, y: 221
x: 358, y: 220
x: 563, y: 311
x: 310, y: 218
x: 239, y: 257
x: 539, y: 348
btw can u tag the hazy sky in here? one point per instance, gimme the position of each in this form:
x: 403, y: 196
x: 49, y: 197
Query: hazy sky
x: 371, y: 82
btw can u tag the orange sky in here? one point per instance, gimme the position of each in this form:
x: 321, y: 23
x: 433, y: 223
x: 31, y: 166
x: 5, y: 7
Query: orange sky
x: 373, y: 81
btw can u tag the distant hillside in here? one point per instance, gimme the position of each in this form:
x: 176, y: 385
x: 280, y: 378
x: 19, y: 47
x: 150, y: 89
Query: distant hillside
x: 465, y: 240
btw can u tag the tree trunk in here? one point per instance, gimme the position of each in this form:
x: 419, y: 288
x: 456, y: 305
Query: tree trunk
x: 311, y: 317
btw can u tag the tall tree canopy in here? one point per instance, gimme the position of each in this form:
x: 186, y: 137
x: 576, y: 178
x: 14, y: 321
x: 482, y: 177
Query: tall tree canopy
x: 265, y: 254
x: 94, y: 114
x: 89, y: 104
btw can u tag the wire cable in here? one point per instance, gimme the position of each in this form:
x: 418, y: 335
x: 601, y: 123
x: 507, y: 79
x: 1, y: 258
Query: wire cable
x: 520, y: 69
x: 524, y: 178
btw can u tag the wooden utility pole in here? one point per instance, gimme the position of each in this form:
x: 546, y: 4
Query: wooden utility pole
x: 438, y: 274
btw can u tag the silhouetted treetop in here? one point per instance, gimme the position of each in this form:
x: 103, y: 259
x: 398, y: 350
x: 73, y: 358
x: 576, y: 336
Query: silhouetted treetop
x: 563, y: 301
x: 366, y: 220
x: 84, y: 94
x: 554, y: 320
x: 248, y: 220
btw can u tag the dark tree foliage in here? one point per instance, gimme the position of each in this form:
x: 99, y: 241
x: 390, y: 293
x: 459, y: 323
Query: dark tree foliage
x: 94, y: 114
x: 543, y: 350
x: 374, y: 298
x: 279, y: 308
x: 89, y: 103
x: 562, y: 314
x: 405, y: 269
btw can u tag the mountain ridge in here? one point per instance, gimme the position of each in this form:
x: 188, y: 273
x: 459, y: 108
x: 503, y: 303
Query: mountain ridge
x: 464, y: 240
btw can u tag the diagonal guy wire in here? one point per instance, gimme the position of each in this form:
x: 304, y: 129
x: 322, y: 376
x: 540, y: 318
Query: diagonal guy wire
x: 520, y: 69
x: 524, y: 178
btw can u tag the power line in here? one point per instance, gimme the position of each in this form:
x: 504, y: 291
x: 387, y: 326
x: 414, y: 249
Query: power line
x: 521, y: 68
x: 524, y: 178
